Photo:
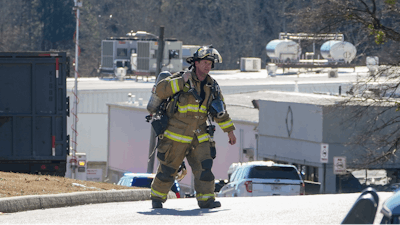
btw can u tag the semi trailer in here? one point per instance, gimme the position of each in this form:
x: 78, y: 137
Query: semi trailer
x: 33, y: 112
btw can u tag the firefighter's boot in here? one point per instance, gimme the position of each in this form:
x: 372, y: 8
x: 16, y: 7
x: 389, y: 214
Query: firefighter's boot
x: 156, y: 204
x: 209, y: 204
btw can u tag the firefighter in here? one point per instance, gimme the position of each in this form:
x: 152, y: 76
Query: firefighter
x: 197, y: 97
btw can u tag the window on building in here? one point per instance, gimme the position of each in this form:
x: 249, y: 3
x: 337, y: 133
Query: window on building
x: 122, y: 52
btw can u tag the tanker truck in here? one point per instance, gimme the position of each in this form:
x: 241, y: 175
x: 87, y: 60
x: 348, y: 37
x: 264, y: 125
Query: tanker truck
x: 338, y: 51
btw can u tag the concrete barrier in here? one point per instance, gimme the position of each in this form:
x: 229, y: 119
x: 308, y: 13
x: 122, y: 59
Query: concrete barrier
x: 32, y: 202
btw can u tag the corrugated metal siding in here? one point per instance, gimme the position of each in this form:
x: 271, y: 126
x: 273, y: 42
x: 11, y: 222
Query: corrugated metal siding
x: 107, y: 62
x: 108, y: 48
x: 108, y: 54
x: 96, y: 101
x: 143, y: 49
x: 143, y: 56
x: 143, y: 64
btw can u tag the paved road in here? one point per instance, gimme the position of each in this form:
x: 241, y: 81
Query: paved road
x: 311, y: 209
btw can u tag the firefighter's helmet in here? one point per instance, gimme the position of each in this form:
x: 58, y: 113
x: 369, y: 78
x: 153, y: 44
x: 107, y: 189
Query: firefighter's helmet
x: 207, y: 53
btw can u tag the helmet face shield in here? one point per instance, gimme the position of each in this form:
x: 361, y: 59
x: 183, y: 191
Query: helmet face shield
x: 209, y: 54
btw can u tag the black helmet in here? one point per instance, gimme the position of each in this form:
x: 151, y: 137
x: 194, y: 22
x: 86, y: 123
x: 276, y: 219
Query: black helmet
x: 207, y: 53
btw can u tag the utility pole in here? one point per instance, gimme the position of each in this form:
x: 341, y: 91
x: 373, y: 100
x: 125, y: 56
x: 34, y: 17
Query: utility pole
x: 150, y: 163
x: 78, y: 4
x: 160, y: 52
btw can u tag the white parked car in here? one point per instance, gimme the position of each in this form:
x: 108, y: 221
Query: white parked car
x: 261, y: 178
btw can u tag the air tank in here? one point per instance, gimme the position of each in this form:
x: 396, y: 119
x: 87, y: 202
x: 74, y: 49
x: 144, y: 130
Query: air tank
x: 155, y: 101
x: 283, y: 50
x: 338, y: 51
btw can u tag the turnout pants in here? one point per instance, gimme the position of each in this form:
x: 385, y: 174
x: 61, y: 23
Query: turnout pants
x: 171, y: 155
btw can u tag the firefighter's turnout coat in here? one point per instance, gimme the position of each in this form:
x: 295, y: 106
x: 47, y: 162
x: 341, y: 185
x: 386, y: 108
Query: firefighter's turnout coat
x: 186, y: 136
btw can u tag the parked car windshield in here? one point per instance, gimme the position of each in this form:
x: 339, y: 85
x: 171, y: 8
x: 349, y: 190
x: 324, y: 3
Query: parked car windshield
x: 235, y: 173
x: 142, y: 182
x: 273, y: 172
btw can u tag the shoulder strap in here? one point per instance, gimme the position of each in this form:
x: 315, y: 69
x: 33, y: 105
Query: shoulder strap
x: 178, y: 74
x: 216, y: 90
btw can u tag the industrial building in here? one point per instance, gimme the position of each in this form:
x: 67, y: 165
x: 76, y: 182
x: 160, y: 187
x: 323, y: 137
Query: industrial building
x: 286, y: 127
x: 104, y: 106
x: 94, y: 94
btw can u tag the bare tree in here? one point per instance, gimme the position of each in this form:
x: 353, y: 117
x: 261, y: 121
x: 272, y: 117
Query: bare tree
x: 371, y: 24
x: 372, y: 103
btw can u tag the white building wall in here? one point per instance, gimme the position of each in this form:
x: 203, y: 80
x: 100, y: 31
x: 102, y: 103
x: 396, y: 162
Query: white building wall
x: 128, y: 141
x: 93, y: 119
x: 298, y: 142
x: 304, y: 122
x: 92, y: 135
x: 289, y: 150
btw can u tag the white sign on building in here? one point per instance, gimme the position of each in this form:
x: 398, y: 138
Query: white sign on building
x: 339, y: 165
x: 324, y: 152
x: 94, y: 175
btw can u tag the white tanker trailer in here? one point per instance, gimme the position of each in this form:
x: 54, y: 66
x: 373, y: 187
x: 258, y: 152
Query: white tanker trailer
x: 283, y: 51
x: 338, y: 51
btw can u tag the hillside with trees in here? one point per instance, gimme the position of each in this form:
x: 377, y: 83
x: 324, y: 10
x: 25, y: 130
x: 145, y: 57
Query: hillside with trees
x: 236, y: 28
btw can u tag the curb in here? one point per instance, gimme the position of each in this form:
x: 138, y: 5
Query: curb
x: 32, y: 202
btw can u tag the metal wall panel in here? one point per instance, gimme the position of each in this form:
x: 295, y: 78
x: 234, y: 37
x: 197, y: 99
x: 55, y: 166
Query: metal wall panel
x: 15, y: 96
x: 143, y: 49
x: 45, y: 89
x: 22, y: 136
x: 107, y: 62
x: 33, y: 106
x: 107, y: 55
x: 6, y: 133
x: 143, y: 64
x: 108, y: 48
x: 43, y: 136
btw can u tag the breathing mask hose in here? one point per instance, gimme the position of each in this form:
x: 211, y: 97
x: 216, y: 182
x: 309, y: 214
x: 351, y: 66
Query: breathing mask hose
x: 210, y: 131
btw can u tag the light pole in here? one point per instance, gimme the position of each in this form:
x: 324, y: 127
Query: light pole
x: 160, y: 56
x: 78, y: 4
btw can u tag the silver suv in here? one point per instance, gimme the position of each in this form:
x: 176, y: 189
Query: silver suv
x: 262, y: 178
